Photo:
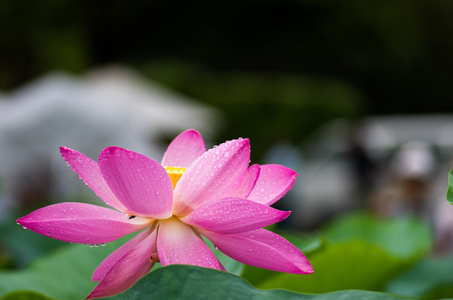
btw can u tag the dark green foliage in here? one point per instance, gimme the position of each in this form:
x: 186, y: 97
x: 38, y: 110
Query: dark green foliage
x: 189, y: 282
x: 360, y: 252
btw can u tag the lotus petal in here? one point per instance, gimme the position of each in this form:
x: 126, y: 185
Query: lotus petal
x: 140, y: 183
x: 263, y: 249
x: 216, y: 174
x: 273, y: 183
x: 129, y: 268
x: 89, y: 172
x: 177, y: 243
x: 234, y: 215
x: 184, y: 149
x: 81, y: 223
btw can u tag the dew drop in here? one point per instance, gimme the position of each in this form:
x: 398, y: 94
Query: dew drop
x: 24, y: 227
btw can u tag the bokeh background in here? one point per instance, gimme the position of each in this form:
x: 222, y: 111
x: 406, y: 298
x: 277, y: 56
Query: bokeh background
x: 353, y: 95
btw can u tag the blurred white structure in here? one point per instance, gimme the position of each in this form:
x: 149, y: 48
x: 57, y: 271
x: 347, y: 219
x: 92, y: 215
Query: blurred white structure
x: 413, y: 159
x: 344, y: 161
x: 111, y: 106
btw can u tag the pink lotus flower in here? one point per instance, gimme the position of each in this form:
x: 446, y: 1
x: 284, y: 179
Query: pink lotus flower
x: 193, y: 193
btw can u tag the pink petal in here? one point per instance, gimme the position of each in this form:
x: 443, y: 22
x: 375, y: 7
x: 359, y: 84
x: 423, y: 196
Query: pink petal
x: 89, y: 172
x: 249, y: 181
x: 262, y: 249
x: 81, y: 223
x: 118, y: 254
x: 234, y: 215
x: 177, y: 243
x: 184, y: 149
x: 218, y: 173
x: 273, y: 183
x: 130, y: 266
x: 140, y: 183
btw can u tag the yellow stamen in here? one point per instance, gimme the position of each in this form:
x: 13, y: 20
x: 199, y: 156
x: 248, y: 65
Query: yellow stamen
x: 175, y: 173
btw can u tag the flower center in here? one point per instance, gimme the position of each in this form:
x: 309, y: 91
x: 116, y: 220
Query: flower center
x: 175, y: 173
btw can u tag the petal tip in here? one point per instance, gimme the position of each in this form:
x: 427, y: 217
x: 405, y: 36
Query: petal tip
x: 306, y: 269
x: 65, y: 151
x: 108, y: 150
x: 235, y: 145
x: 291, y: 173
x: 111, y: 151
x: 245, y: 141
x: 282, y: 216
x: 192, y: 131
x: 25, y: 220
x: 285, y: 214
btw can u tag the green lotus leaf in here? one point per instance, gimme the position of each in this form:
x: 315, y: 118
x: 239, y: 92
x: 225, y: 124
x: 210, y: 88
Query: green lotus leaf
x: 191, y: 282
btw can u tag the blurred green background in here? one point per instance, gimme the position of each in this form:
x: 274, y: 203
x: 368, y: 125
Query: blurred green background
x: 277, y: 69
